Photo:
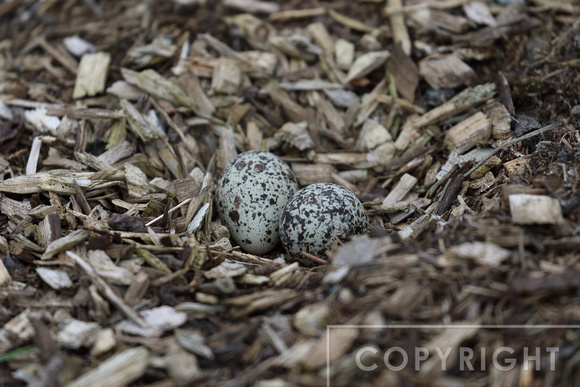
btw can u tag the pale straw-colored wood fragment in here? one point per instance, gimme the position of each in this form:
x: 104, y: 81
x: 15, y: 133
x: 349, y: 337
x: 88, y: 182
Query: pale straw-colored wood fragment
x: 400, y: 33
x: 118, y: 370
x: 468, y: 133
x: 65, y: 243
x: 92, y: 75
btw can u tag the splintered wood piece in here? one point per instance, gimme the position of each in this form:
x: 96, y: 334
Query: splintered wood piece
x: 334, y: 119
x: 349, y: 22
x: 450, y: 22
x: 500, y: 120
x: 339, y: 339
x: 313, y: 173
x: 511, y: 142
x: 372, y: 135
x: 18, y: 329
x: 296, y: 134
x: 137, y: 184
x: 369, y: 102
x: 24, y: 184
x: 297, y: 14
x: 220, y: 47
x: 482, y: 253
x: 93, y: 162
x: 81, y: 199
x: 295, y: 45
x: 366, y: 63
x: 356, y: 160
x: 405, y: 184
x: 121, y: 369
x: 33, y: 156
x: 552, y: 283
x: 511, y: 21
x: 5, y: 277
x: 321, y: 37
x: 505, y: 95
x: 342, y: 98
x: 56, y: 279
x: 479, y: 12
x: 194, y: 90
x: 447, y: 71
x: 309, y: 84
x: 60, y: 162
x: 92, y: 75
x: 107, y: 291
x: 293, y: 110
x: 118, y: 152
x: 535, y: 209
x: 161, y: 88
x: 344, y: 54
x: 461, y: 102
x: 399, y: 28
x: 84, y: 113
x: 152, y: 260
x: 404, y: 72
x: 137, y: 289
x: 49, y: 229
x: 259, y: 62
x: 254, y: 136
x: 449, y: 338
x: 227, y: 146
x: 124, y: 90
x: 65, y: 243
x: 226, y: 77
x: 245, y: 305
x: 407, y: 106
x: 470, y: 132
x: 107, y: 269
x: 252, y: 6
x: 138, y: 123
x: 517, y: 167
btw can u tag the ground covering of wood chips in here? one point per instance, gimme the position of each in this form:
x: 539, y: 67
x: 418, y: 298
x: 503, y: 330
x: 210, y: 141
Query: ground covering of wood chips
x: 455, y: 123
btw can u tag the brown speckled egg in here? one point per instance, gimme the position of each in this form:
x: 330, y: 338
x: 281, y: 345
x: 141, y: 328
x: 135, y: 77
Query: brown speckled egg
x: 251, y: 193
x: 317, y: 215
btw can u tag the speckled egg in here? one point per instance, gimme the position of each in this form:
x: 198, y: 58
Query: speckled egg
x: 316, y: 216
x: 251, y: 193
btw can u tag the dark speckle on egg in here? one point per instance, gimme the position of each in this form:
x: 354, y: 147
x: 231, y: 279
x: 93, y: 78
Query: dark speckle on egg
x: 251, y: 193
x: 316, y: 216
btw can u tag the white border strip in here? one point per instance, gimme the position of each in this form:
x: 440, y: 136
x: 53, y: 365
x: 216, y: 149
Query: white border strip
x: 436, y: 326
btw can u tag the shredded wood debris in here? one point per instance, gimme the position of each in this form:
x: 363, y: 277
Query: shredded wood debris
x: 454, y: 122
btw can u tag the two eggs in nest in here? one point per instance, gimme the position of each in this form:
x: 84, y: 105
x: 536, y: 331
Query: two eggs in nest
x: 259, y: 202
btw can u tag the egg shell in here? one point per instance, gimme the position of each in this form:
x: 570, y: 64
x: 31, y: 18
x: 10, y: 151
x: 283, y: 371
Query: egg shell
x: 317, y: 215
x: 252, y: 191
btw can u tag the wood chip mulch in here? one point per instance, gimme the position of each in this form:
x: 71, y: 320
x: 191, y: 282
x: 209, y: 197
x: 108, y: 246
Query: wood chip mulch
x: 454, y: 122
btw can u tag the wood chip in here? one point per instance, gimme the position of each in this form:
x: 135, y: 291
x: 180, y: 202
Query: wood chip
x: 65, y: 243
x: 474, y: 130
x: 122, y: 369
x: 535, y: 209
x: 92, y: 75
